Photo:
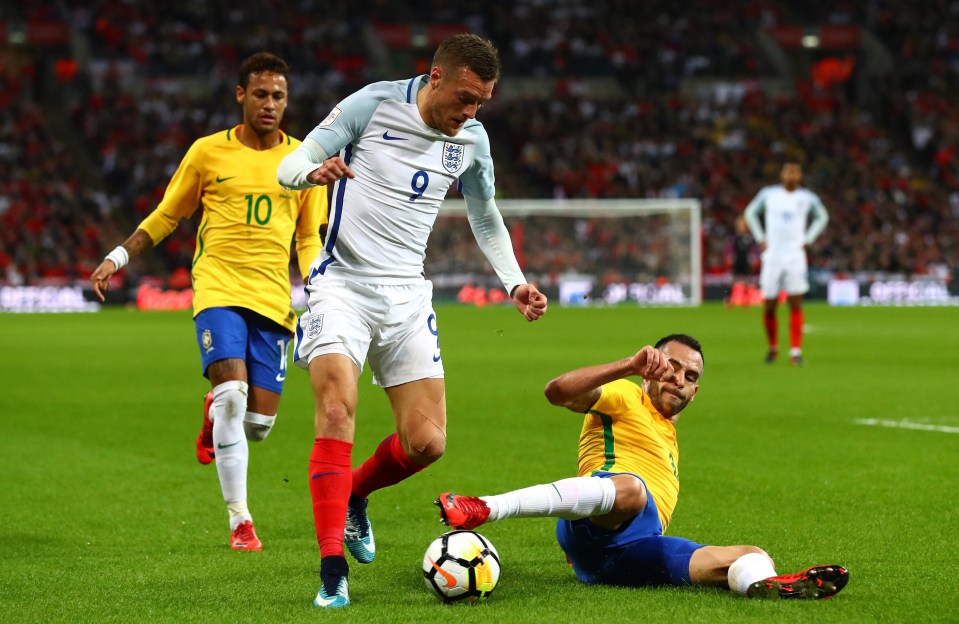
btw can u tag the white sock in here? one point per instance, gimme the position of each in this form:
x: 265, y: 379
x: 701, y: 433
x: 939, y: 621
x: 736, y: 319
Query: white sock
x: 238, y: 513
x: 257, y: 426
x: 229, y: 441
x: 747, y: 570
x: 795, y: 351
x: 572, y: 499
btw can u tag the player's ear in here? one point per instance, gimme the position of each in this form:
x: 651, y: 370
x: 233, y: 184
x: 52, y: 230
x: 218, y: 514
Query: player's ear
x: 240, y: 92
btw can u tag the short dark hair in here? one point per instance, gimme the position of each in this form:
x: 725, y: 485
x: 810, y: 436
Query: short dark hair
x: 685, y: 339
x: 261, y: 62
x: 469, y: 51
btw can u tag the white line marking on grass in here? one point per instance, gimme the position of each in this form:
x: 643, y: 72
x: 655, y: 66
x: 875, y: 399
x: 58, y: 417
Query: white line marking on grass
x: 905, y: 424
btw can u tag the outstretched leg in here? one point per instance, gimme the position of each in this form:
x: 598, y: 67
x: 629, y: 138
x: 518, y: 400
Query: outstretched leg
x: 609, y: 502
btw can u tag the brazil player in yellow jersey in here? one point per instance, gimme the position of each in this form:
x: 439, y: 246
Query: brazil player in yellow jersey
x: 613, y: 515
x: 241, y: 278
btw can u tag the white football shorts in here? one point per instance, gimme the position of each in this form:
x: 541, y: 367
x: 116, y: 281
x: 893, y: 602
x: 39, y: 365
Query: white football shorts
x: 392, y: 327
x: 779, y: 273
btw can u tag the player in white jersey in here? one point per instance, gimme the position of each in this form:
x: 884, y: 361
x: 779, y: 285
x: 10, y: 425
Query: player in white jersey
x: 401, y: 145
x: 784, y: 236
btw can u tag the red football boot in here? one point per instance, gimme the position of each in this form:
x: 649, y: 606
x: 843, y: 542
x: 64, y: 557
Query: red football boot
x: 816, y: 583
x: 204, y: 441
x: 244, y: 537
x: 462, y: 512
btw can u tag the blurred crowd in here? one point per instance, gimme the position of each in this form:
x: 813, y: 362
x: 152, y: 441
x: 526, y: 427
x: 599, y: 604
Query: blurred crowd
x: 156, y: 76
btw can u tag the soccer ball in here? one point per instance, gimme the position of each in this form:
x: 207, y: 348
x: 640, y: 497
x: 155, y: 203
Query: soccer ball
x: 461, y: 566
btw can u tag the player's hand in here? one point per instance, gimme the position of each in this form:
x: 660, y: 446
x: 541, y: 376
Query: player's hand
x: 762, y: 246
x: 101, y: 278
x: 529, y: 301
x: 651, y: 363
x: 331, y: 170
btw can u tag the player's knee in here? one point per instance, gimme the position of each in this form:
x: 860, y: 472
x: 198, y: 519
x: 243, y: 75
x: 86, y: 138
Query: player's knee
x: 631, y: 496
x: 257, y: 426
x: 229, y: 399
x: 426, y: 447
x: 333, y: 415
x: 423, y: 434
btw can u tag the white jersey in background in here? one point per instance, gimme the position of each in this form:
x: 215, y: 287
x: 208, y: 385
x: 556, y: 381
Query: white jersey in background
x: 380, y: 220
x: 786, y: 217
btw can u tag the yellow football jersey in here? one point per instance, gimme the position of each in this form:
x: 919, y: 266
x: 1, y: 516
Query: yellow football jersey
x: 623, y: 432
x: 243, y: 243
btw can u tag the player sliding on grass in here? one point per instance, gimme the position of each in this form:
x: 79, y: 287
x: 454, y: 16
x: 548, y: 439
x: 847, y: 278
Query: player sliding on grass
x: 613, y: 515
x: 241, y: 273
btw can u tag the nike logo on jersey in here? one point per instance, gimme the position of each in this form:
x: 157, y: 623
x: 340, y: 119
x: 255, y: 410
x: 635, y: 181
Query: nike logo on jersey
x: 437, y: 357
x: 219, y: 179
x: 281, y: 378
x: 386, y: 135
x: 223, y: 446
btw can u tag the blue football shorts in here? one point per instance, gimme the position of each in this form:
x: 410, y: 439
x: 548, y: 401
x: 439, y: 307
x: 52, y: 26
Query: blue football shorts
x: 637, y: 554
x: 235, y: 332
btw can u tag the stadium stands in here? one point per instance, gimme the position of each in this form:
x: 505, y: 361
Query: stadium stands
x: 690, y: 114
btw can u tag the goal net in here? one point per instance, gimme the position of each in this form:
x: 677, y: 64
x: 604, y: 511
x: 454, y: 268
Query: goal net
x: 580, y: 252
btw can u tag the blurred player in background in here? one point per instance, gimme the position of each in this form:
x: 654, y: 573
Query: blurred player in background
x: 402, y: 145
x: 783, y: 239
x: 742, y: 252
x: 241, y: 277
x: 613, y: 515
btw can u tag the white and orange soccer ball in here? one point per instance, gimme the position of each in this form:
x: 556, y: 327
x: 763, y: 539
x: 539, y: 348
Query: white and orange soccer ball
x: 461, y: 566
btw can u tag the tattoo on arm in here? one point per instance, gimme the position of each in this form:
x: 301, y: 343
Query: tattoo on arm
x: 583, y: 402
x: 138, y: 242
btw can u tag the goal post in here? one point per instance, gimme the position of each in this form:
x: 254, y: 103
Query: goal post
x: 598, y: 251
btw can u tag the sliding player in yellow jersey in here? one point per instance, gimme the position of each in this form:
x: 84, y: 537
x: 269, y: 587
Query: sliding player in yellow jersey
x: 241, y: 279
x: 613, y: 515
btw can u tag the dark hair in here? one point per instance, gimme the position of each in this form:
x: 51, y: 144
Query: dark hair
x: 261, y: 62
x: 685, y: 339
x: 469, y: 51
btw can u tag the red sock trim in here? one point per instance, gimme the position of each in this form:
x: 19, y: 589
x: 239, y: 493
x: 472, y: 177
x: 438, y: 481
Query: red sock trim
x: 330, y: 482
x: 795, y: 328
x: 388, y: 465
x: 772, y: 329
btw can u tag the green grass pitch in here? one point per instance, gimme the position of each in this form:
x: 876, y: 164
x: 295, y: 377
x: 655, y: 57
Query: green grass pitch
x: 106, y: 516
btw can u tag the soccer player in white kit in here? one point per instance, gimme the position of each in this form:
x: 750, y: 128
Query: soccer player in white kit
x: 784, y: 238
x: 401, y: 145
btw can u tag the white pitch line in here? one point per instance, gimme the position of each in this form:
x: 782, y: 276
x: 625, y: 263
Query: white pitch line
x: 905, y: 424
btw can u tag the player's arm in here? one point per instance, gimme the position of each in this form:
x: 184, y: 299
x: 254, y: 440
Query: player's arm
x: 579, y: 389
x: 494, y: 241
x: 180, y: 201
x: 137, y: 243
x: 313, y: 214
x: 309, y: 165
x: 314, y: 161
x: 819, y: 220
x: 751, y: 215
x: 479, y: 189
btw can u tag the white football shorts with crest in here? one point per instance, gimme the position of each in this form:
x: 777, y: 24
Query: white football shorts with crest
x: 393, y: 327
